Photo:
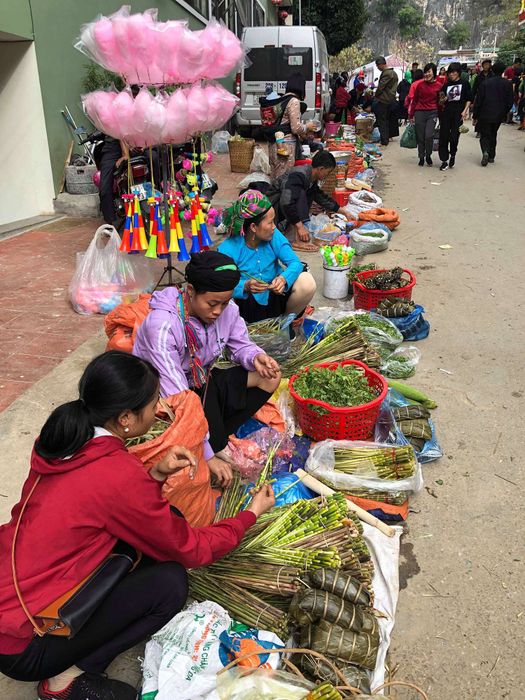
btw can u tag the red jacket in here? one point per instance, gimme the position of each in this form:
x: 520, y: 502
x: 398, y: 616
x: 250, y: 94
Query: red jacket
x: 79, y: 510
x: 342, y: 98
x: 426, y: 95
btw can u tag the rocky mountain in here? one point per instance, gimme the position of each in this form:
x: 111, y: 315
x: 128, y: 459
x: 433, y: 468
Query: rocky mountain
x: 486, y: 20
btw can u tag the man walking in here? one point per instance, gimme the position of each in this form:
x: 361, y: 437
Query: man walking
x: 384, y: 98
x: 493, y: 102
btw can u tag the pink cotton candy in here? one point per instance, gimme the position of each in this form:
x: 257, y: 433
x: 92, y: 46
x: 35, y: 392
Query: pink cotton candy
x: 169, y: 38
x: 124, y: 108
x: 229, y: 56
x: 99, y: 108
x: 107, y: 49
x: 190, y: 57
x: 210, y: 38
x: 139, y: 47
x: 198, y: 113
x: 175, y: 128
x: 154, y: 121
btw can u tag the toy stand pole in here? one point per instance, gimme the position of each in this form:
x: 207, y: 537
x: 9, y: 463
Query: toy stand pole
x: 169, y: 269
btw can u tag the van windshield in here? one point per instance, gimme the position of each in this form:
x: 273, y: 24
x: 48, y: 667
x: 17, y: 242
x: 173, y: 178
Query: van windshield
x: 278, y: 64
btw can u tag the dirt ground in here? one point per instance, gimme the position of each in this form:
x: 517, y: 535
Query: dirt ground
x: 459, y: 627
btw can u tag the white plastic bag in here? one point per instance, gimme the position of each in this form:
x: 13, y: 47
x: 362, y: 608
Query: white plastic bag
x: 365, y: 200
x: 352, y: 211
x: 383, y: 341
x: 321, y: 464
x: 367, y: 244
x: 402, y: 363
x: 260, y: 161
x: 219, y: 141
x: 250, y: 684
x: 253, y: 177
x: 105, y: 277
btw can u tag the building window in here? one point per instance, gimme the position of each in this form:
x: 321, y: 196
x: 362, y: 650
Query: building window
x: 259, y: 15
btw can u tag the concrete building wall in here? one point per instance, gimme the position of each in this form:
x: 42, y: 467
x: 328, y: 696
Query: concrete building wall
x: 27, y: 185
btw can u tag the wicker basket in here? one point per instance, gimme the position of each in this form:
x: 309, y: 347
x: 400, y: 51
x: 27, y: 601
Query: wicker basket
x: 241, y: 154
x: 79, y: 179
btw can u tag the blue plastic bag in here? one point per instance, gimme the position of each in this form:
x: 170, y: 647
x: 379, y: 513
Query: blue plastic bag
x: 413, y: 326
x: 288, y: 489
x: 387, y: 430
x: 374, y: 225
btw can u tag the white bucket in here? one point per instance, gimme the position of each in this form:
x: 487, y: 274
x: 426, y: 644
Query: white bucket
x: 335, y: 281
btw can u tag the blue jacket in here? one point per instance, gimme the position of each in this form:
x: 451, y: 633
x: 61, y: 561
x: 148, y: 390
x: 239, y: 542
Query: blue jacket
x: 265, y: 262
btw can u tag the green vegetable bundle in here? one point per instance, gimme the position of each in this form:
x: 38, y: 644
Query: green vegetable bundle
x: 346, y: 385
x: 356, y: 647
x: 393, y: 462
x: 356, y: 269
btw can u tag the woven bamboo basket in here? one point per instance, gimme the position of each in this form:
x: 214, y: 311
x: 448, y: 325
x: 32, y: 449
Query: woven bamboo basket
x: 241, y: 154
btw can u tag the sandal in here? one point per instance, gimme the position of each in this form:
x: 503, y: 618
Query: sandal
x: 305, y: 247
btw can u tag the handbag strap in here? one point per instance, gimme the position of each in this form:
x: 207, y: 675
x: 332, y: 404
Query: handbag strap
x: 38, y: 630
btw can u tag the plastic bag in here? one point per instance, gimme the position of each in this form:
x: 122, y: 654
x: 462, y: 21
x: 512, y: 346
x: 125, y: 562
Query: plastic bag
x: 409, y: 138
x: 352, y: 211
x: 252, y: 179
x: 381, y: 340
x: 286, y: 406
x: 276, y: 343
x: 219, y: 141
x: 375, y: 136
x: 105, y: 277
x: 318, y: 222
x: 364, y: 244
x: 260, y: 161
x: 289, y: 489
x: 247, y: 684
x: 402, y: 363
x: 387, y: 429
x: 321, y: 464
x: 414, y: 326
x: 365, y: 200
x: 376, y: 226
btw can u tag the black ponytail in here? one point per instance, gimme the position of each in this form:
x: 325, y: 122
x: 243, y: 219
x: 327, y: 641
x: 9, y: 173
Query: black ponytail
x: 112, y: 383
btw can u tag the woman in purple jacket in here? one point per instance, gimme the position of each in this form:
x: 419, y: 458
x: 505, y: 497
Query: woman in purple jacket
x: 184, y: 334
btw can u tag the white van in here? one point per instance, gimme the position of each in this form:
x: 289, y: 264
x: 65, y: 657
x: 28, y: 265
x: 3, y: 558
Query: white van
x: 275, y: 53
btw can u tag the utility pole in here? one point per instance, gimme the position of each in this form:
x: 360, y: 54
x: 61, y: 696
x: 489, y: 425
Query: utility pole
x: 300, y: 13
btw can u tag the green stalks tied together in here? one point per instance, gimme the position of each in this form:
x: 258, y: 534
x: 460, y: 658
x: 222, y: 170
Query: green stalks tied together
x: 158, y: 427
x: 345, y: 342
x: 391, y: 463
x: 346, y: 385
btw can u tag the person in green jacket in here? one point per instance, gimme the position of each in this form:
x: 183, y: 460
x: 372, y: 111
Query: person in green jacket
x: 384, y: 98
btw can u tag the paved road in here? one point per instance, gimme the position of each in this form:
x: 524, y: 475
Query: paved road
x: 462, y: 608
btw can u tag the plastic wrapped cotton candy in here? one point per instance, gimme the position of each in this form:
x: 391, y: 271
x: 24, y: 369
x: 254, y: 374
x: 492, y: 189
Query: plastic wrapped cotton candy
x: 198, y: 113
x: 210, y: 39
x: 98, y: 106
x: 175, y: 127
x: 190, y: 57
x: 107, y: 49
x: 169, y: 39
x: 229, y: 56
x: 142, y: 104
x: 154, y: 121
x: 124, y: 108
x: 142, y: 48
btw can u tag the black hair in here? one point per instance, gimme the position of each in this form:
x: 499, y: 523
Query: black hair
x: 498, y: 68
x: 454, y: 67
x: 112, y: 383
x: 432, y: 67
x: 486, y: 60
x: 417, y: 75
x: 323, y: 159
x: 415, y: 63
x: 517, y: 60
x: 463, y: 66
x: 380, y: 60
x: 296, y: 84
x: 344, y: 74
x: 340, y: 82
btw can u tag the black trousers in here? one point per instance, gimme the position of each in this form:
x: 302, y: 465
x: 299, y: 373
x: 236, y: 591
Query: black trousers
x: 111, y: 152
x: 488, y: 135
x: 138, y: 607
x: 425, y: 120
x: 228, y: 403
x: 449, y: 123
x: 382, y: 112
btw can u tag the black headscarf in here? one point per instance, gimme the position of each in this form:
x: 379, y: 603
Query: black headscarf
x: 211, y: 271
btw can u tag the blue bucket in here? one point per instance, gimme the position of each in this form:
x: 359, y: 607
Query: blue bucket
x: 312, y: 327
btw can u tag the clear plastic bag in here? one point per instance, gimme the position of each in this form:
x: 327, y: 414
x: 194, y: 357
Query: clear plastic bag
x: 219, y: 141
x: 105, y: 277
x: 254, y: 684
x: 321, y: 464
x: 402, y: 363
x: 365, y: 200
x: 277, y: 342
x: 260, y: 161
x: 431, y: 449
x: 381, y: 340
x: 366, y: 244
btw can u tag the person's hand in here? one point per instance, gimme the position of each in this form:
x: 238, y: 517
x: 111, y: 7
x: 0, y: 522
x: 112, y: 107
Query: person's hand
x: 465, y: 115
x: 311, y: 126
x: 255, y: 287
x: 221, y: 470
x: 119, y: 162
x: 412, y: 120
x: 266, y: 366
x: 302, y: 232
x: 176, y: 458
x: 278, y: 285
x: 474, y: 121
x: 263, y: 501
x: 346, y: 214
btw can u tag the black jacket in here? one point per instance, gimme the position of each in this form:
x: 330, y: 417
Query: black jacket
x: 478, y: 82
x: 292, y: 195
x: 494, y: 100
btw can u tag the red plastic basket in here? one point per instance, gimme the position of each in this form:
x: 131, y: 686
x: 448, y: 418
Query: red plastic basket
x: 341, y: 422
x: 369, y: 298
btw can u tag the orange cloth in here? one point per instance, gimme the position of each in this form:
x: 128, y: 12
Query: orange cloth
x: 122, y: 323
x: 194, y: 498
x: 389, y: 217
x: 270, y: 414
x: 368, y: 504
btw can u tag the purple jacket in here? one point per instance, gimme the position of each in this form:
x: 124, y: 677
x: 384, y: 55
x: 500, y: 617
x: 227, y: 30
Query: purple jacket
x: 161, y: 340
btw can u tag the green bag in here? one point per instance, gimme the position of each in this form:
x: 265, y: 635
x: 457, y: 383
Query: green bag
x: 409, y: 140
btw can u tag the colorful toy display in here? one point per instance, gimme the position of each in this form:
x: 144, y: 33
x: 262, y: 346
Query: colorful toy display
x: 337, y: 255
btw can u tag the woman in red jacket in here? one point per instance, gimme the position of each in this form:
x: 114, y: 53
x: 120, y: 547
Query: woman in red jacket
x: 85, y: 493
x: 341, y: 101
x: 423, y: 111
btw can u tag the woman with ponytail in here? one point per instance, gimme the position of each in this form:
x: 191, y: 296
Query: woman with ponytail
x: 84, y: 494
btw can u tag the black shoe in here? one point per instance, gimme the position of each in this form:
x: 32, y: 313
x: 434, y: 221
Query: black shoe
x: 421, y: 162
x: 452, y: 161
x: 429, y: 161
x: 444, y: 165
x: 90, y: 686
x: 485, y: 160
x: 491, y: 160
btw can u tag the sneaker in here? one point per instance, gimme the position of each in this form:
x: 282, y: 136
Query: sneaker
x: 452, y: 161
x: 89, y: 686
x: 491, y: 160
x: 429, y: 161
x: 421, y: 162
x: 444, y: 165
x: 485, y: 160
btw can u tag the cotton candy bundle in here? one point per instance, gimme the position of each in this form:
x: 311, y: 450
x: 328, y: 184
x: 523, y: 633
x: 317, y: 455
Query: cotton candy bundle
x: 167, y: 36
x: 175, y: 127
x: 99, y: 108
